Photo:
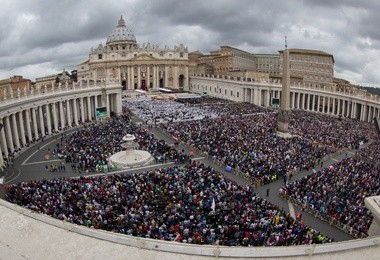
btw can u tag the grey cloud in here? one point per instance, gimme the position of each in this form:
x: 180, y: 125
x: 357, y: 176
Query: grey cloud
x: 60, y: 33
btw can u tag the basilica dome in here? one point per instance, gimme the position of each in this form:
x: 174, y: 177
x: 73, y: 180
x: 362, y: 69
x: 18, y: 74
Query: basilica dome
x: 121, y: 34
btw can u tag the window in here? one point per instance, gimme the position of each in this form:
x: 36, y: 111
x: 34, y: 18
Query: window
x: 100, y: 56
x: 181, y: 54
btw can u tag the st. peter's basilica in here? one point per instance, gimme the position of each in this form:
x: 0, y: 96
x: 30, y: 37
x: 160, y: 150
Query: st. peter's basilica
x: 137, y: 66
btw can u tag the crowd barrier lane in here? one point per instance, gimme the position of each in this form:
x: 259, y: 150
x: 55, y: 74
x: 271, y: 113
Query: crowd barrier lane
x: 294, y: 172
x: 336, y: 153
x: 187, y: 145
x: 332, y: 222
x: 221, y: 164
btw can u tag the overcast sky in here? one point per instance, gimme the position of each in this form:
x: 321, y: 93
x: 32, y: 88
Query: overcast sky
x: 41, y: 37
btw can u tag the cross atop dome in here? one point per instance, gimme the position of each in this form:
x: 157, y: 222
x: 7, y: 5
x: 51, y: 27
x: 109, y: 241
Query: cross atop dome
x: 121, y: 22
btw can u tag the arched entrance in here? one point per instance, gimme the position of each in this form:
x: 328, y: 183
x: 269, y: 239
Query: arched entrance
x: 181, y: 81
x: 124, y: 84
x: 143, y: 85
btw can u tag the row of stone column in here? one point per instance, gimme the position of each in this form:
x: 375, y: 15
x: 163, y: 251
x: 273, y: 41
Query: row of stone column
x: 168, y: 76
x: 334, y: 106
x: 26, y: 126
x: 324, y: 103
x: 317, y: 103
x: 128, y: 73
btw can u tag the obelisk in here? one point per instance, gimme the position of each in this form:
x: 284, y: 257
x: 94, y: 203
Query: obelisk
x: 284, y: 113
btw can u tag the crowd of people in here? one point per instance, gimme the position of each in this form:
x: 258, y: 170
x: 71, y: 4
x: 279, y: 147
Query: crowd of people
x: 250, y: 144
x: 205, y: 100
x: 89, y: 148
x: 190, y: 204
x: 331, y: 131
x: 337, y: 193
x: 164, y: 110
x: 223, y: 106
x: 194, y: 203
x: 153, y: 111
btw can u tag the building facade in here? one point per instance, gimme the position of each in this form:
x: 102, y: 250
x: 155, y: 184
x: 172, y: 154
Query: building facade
x: 146, y: 67
x: 307, y: 67
x: 194, y: 63
x: 13, y: 86
x: 268, y: 63
x: 54, y: 79
x: 228, y: 59
x: 315, y: 68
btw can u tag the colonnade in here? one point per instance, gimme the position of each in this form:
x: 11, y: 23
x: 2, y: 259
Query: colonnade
x: 32, y: 120
x: 316, y: 99
x: 317, y: 102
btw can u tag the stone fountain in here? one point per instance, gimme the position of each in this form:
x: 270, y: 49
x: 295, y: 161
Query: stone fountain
x: 131, y: 156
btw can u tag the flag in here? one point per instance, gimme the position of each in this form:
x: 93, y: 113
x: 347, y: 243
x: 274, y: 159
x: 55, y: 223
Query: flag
x: 213, y: 204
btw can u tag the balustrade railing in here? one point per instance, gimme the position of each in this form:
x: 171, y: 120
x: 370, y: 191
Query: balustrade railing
x: 20, y: 94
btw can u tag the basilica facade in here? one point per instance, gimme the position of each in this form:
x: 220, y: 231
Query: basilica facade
x: 145, y: 67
